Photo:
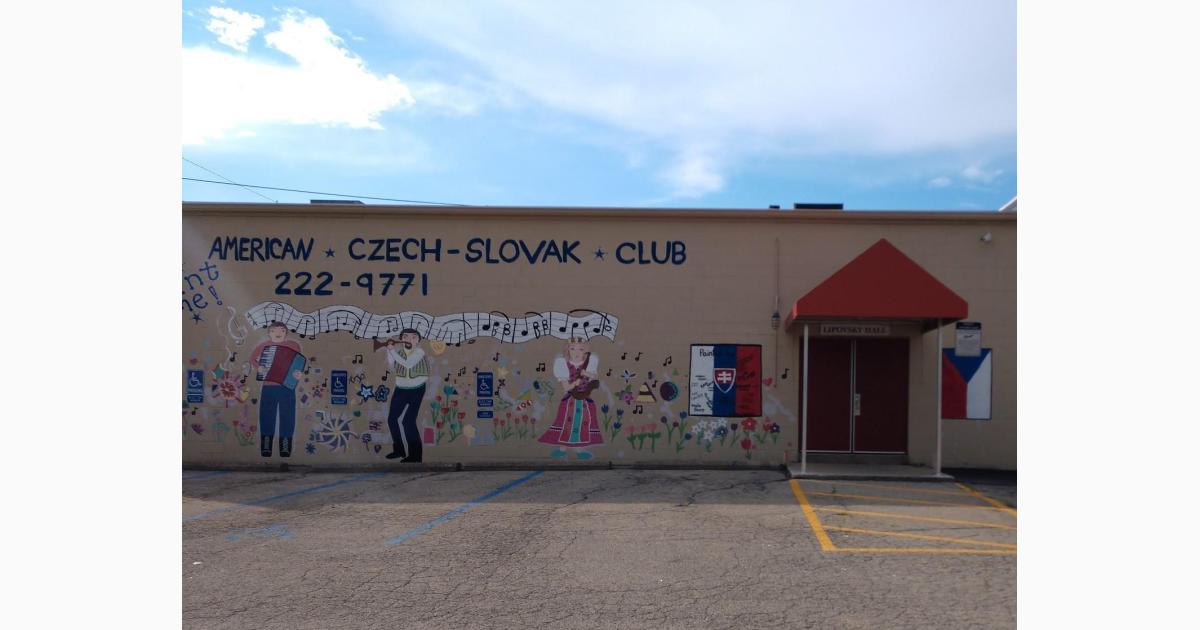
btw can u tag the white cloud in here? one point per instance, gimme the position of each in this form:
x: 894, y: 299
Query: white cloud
x: 977, y: 173
x: 880, y: 76
x: 695, y: 173
x: 939, y: 182
x: 328, y: 85
x: 234, y: 28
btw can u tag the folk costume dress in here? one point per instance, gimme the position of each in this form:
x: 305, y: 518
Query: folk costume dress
x: 576, y: 424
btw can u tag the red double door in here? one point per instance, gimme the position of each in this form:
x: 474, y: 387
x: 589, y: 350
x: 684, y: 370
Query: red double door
x: 858, y: 395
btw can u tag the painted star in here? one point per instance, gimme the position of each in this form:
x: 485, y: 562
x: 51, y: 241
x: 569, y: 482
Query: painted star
x: 329, y: 253
x: 599, y: 253
x: 366, y: 391
x: 196, y: 316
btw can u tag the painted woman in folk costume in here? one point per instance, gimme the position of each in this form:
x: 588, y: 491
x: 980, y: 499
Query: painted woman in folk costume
x: 576, y: 425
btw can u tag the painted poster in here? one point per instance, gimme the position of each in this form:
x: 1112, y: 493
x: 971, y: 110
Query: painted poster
x: 725, y: 381
x: 967, y: 385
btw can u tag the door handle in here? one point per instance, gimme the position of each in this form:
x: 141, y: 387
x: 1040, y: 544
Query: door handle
x: 857, y: 405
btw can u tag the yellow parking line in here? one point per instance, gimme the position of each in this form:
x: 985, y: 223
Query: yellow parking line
x: 874, y: 532
x: 913, y: 501
x: 909, y: 518
x: 864, y: 484
x: 813, y: 521
x: 975, y: 493
x: 993, y: 552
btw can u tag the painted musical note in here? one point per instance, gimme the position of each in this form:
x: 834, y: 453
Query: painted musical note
x: 638, y: 410
x: 609, y: 372
x: 447, y: 379
x: 462, y: 370
x: 358, y: 359
x: 623, y: 354
x: 496, y: 357
x: 453, y: 328
x: 386, y: 375
x: 475, y: 370
x: 667, y: 362
x: 541, y: 366
x: 638, y: 357
x: 785, y: 373
x: 233, y: 359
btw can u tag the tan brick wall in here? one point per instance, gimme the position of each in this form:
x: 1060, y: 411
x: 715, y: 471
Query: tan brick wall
x: 724, y: 293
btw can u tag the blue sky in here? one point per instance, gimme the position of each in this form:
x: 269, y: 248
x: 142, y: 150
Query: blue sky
x: 882, y: 104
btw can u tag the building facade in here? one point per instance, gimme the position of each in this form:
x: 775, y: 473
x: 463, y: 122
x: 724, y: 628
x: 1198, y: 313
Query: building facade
x: 335, y: 335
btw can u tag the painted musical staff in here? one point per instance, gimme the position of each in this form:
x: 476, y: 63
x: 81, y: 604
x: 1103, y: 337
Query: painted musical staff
x: 452, y: 328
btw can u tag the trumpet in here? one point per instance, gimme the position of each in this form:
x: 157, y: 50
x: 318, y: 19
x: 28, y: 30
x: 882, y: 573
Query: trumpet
x: 377, y: 344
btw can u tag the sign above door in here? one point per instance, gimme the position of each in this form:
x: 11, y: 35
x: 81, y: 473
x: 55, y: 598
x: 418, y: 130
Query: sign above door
x: 831, y: 329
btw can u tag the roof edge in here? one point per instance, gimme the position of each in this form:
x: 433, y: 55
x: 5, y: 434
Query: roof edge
x: 204, y: 208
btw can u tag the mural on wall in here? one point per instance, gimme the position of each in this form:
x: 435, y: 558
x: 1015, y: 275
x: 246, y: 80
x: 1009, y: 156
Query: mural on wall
x: 575, y: 425
x: 424, y: 391
x: 407, y: 361
x: 452, y: 328
x: 725, y: 380
x: 280, y: 368
x: 967, y: 385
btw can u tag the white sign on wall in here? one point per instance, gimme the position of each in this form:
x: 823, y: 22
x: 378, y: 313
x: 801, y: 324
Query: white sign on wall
x: 968, y: 339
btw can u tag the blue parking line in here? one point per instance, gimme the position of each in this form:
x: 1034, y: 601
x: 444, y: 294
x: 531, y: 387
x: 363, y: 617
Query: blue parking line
x: 207, y: 475
x: 460, y: 509
x: 278, y: 497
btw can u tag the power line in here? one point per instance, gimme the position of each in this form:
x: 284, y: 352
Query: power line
x: 229, y: 180
x: 315, y: 192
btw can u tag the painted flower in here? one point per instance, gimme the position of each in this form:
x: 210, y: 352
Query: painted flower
x: 775, y: 427
x: 309, y: 448
x: 228, y: 388
x: 462, y: 414
x: 687, y: 436
x: 438, y: 398
x: 733, y: 427
x: 617, y: 425
x: 749, y: 424
x: 366, y: 438
x: 663, y: 419
x: 603, y: 408
x: 674, y: 423
x: 682, y: 415
x: 439, y: 424
x: 620, y: 412
x: 747, y: 443
x: 722, y: 431
x: 454, y: 403
x: 198, y: 429
x: 627, y: 397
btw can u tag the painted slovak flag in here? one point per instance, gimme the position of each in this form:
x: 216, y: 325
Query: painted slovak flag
x: 967, y: 385
x: 726, y: 381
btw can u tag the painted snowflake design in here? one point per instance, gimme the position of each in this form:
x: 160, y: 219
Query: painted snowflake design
x: 336, y: 432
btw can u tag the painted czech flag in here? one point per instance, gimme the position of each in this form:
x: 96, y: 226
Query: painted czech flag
x: 967, y: 385
x: 726, y: 381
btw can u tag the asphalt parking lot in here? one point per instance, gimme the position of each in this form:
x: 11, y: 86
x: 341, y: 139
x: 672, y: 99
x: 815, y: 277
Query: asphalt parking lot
x: 592, y: 548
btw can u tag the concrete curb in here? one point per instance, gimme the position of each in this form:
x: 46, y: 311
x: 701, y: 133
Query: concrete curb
x: 277, y: 467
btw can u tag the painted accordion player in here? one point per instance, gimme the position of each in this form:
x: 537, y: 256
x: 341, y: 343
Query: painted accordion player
x: 277, y: 364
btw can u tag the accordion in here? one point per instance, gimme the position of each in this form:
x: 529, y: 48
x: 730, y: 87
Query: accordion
x: 276, y: 365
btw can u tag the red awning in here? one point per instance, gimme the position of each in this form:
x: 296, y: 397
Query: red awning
x: 881, y: 283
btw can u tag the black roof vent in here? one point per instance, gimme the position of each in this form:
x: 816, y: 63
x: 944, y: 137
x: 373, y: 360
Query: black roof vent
x: 338, y: 201
x: 817, y: 206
